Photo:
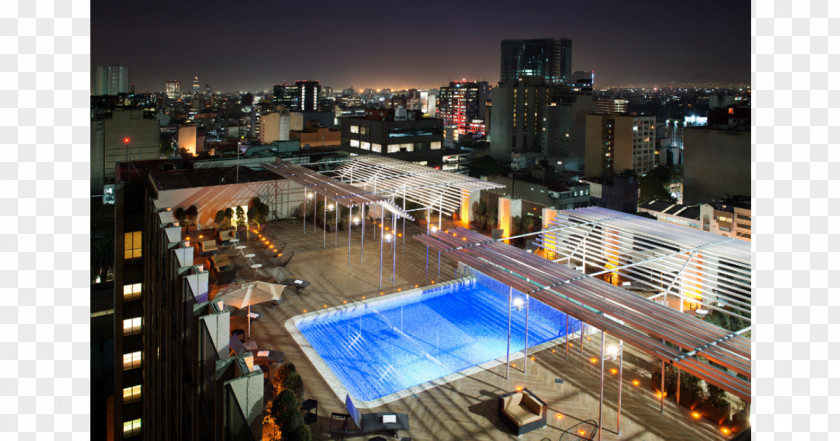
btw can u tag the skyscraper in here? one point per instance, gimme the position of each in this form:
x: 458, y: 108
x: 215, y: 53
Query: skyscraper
x: 288, y: 96
x: 111, y: 80
x: 544, y: 57
x: 309, y: 93
x: 173, y: 89
x: 196, y: 86
x: 462, y: 104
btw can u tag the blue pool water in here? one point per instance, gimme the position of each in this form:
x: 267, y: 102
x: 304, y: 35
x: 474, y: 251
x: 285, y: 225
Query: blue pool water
x: 383, y: 347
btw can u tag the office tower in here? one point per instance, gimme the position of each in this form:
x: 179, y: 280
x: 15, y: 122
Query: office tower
x: 207, y: 90
x: 462, y: 104
x: 196, y: 86
x: 397, y: 132
x: 611, y: 105
x: 288, y: 96
x: 564, y: 129
x: 615, y: 143
x: 518, y: 112
x: 546, y: 57
x: 173, y: 89
x: 309, y: 92
x: 111, y: 80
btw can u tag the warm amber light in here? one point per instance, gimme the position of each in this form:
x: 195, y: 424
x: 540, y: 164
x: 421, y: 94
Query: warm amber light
x: 553, y: 351
x: 325, y: 306
x: 635, y: 382
x: 201, y: 236
x: 696, y: 415
x: 416, y: 285
x: 188, y: 237
x: 724, y: 430
x: 399, y: 289
x: 582, y: 432
x: 345, y: 301
x: 593, y: 360
x: 518, y: 388
x: 532, y: 358
x: 559, y: 416
x: 613, y: 371
x: 364, y: 297
x: 304, y: 310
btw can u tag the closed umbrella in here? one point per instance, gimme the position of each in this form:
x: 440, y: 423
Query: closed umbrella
x: 252, y: 293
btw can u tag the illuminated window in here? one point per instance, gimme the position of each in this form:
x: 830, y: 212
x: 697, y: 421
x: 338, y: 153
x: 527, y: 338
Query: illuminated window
x: 132, y: 360
x: 354, y: 143
x: 133, y: 244
x: 131, y: 394
x: 376, y: 148
x: 132, y: 326
x: 363, y: 130
x: 435, y: 145
x: 131, y: 292
x: 131, y: 427
x: 354, y: 129
x: 365, y: 145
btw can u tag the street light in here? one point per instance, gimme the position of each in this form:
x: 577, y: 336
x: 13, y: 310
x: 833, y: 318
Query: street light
x: 517, y: 303
x: 126, y: 140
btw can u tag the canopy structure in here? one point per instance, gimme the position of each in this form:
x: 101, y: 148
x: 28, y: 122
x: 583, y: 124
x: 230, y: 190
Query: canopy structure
x: 342, y: 193
x: 662, y: 332
x: 252, y: 293
x: 426, y: 186
x: 703, y: 269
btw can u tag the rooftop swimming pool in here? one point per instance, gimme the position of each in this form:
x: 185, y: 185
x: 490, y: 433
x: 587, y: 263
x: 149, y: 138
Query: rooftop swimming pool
x: 384, y: 349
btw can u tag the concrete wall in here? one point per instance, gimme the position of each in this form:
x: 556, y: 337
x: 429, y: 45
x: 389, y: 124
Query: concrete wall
x: 715, y: 164
x: 508, y: 208
x: 107, y: 144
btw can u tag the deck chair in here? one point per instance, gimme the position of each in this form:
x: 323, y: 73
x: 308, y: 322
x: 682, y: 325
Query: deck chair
x: 208, y: 248
x: 269, y: 356
x: 367, y: 424
x: 226, y: 235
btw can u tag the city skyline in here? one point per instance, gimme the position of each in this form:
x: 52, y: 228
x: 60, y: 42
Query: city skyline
x: 367, y: 47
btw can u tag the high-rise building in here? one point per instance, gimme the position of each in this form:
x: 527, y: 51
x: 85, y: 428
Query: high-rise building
x: 564, y: 130
x: 518, y: 113
x: 620, y: 142
x: 611, y: 105
x: 581, y: 81
x: 111, y: 80
x: 462, y: 104
x: 173, y: 89
x: 393, y: 132
x: 196, y: 86
x: 546, y: 57
x: 309, y: 93
x: 288, y: 96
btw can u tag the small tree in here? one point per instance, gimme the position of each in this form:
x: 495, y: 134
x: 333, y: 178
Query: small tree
x: 528, y: 223
x: 281, y: 374
x: 228, y: 215
x: 181, y: 215
x: 192, y: 214
x: 220, y: 218
x: 285, y: 411
x: 294, y: 383
x: 715, y: 396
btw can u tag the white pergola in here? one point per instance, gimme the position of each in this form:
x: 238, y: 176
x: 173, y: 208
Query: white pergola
x: 699, y: 267
x: 373, y: 180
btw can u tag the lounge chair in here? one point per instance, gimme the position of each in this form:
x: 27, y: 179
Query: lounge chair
x: 260, y: 357
x: 522, y: 411
x: 370, y: 423
x: 208, y: 248
x: 225, y: 236
x: 225, y: 272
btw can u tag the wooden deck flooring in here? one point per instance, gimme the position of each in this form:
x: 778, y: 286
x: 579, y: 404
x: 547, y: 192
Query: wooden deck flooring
x: 464, y: 409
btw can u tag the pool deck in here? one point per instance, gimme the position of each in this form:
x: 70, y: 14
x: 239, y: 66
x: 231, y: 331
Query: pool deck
x: 464, y: 409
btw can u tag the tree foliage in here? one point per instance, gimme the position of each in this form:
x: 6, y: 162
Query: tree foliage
x: 484, y: 166
x: 654, y: 186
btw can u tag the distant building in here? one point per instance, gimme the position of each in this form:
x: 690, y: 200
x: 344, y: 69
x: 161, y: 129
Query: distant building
x: 309, y: 91
x: 619, y: 194
x: 730, y: 218
x: 462, y: 104
x: 196, y: 89
x: 111, y: 80
x: 393, y: 132
x: 554, y: 195
x: 615, y: 143
x: 564, y: 130
x: 678, y: 214
x: 120, y: 136
x: 173, y: 89
x: 518, y: 112
x: 314, y: 136
x: 546, y: 57
x: 288, y: 96
x: 581, y: 82
x: 611, y: 105
x: 274, y: 126
x: 298, y: 120
x: 716, y: 163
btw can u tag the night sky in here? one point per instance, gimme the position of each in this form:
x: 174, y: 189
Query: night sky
x: 253, y: 44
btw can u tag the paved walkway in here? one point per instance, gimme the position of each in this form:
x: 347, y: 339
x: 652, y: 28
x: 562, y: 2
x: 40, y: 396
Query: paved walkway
x: 464, y: 409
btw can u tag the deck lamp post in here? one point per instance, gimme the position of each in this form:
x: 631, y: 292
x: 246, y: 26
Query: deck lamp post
x: 517, y: 304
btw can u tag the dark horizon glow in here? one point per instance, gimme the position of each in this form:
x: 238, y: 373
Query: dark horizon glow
x: 253, y: 45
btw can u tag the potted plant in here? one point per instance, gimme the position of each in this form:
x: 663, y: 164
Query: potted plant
x: 219, y: 219
x: 228, y: 216
x: 691, y: 391
x: 329, y: 223
x: 258, y: 213
x: 528, y: 224
x: 192, y: 216
x: 181, y: 216
x: 715, y: 406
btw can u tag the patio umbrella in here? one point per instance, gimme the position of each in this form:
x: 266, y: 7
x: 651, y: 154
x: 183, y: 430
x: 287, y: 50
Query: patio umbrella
x: 252, y: 293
